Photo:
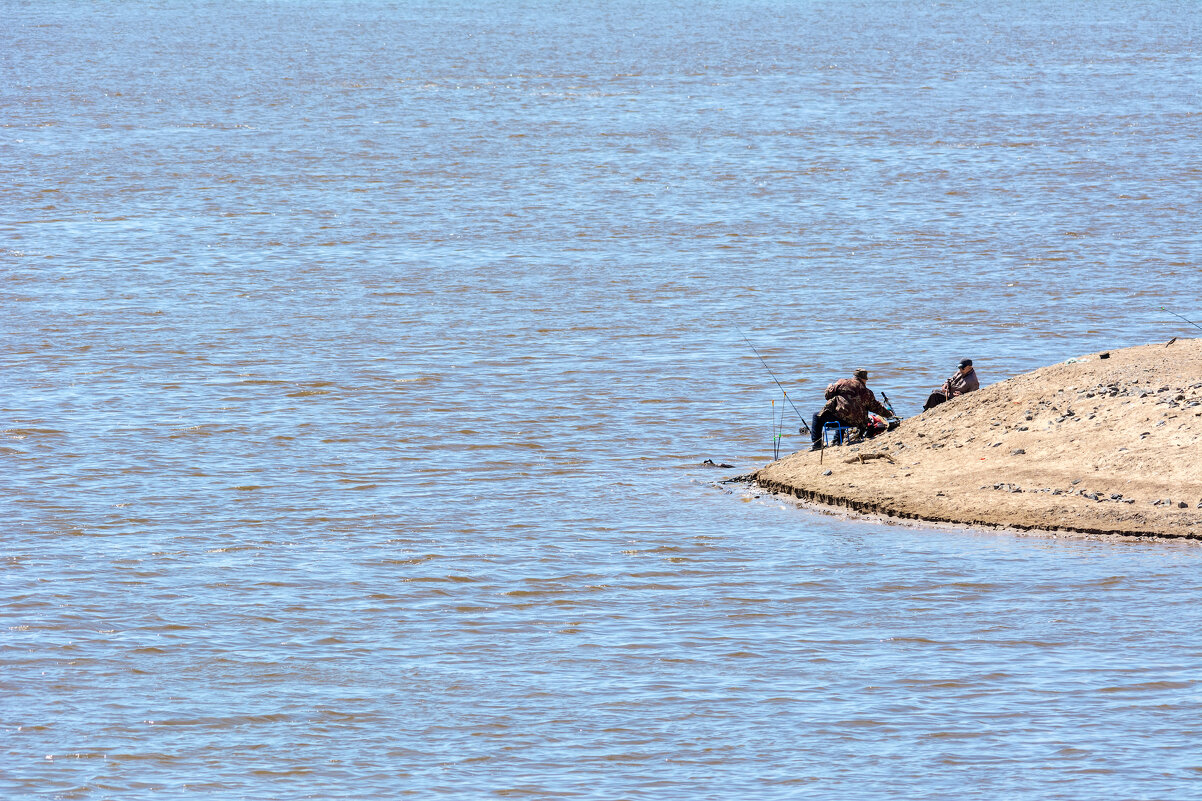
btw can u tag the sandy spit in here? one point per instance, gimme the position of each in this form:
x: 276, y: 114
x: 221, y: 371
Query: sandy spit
x: 1094, y: 446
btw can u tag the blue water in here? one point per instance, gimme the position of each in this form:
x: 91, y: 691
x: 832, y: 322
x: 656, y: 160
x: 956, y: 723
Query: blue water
x: 360, y: 359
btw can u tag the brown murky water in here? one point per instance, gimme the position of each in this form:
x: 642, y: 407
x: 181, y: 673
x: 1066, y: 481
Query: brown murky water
x: 359, y: 359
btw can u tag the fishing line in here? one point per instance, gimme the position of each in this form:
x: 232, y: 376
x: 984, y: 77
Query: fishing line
x: 1175, y: 314
x: 805, y: 429
x: 780, y: 431
x: 775, y: 434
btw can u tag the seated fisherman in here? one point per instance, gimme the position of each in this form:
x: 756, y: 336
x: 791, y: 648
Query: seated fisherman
x: 963, y: 381
x: 848, y: 401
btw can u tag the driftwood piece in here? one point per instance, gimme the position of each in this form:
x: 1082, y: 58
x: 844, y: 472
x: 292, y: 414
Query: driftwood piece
x: 866, y: 457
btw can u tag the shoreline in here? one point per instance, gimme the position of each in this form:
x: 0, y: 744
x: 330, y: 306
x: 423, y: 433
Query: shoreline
x: 1017, y: 455
x: 850, y: 509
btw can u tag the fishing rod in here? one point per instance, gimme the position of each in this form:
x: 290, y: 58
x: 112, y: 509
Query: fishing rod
x: 805, y: 429
x: 1178, y: 316
x: 888, y: 404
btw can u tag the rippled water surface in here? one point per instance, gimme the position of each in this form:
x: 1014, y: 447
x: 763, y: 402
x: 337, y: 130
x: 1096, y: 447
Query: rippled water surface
x: 360, y: 359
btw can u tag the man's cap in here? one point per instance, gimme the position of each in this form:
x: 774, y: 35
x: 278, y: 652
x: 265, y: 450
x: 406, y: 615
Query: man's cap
x: 965, y: 363
x: 860, y: 374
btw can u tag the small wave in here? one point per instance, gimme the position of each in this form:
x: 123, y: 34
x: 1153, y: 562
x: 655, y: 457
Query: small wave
x: 1149, y: 686
x: 22, y: 433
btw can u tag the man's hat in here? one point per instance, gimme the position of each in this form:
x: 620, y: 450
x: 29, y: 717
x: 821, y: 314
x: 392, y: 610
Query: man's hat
x: 965, y: 363
x: 861, y: 374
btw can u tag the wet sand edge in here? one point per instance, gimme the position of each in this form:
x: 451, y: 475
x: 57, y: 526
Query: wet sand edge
x: 851, y: 507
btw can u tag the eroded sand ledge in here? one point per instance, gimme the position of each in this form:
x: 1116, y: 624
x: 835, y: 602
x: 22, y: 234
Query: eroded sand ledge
x: 1095, y: 446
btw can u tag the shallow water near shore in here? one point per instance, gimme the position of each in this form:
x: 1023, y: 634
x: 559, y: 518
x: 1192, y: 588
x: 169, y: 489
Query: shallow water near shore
x: 360, y: 361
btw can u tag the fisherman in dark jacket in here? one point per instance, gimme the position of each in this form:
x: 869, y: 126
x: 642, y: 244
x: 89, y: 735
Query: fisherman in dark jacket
x: 961, y: 383
x: 848, y: 401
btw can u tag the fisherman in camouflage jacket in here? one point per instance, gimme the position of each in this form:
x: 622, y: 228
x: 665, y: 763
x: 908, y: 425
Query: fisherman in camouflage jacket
x: 848, y: 401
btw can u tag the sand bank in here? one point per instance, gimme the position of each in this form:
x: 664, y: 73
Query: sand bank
x: 1092, y: 445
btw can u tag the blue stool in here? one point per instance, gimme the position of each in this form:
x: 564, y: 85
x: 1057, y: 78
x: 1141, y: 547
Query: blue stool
x: 834, y: 434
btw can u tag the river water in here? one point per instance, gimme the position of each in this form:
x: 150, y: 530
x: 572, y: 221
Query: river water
x: 360, y: 359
